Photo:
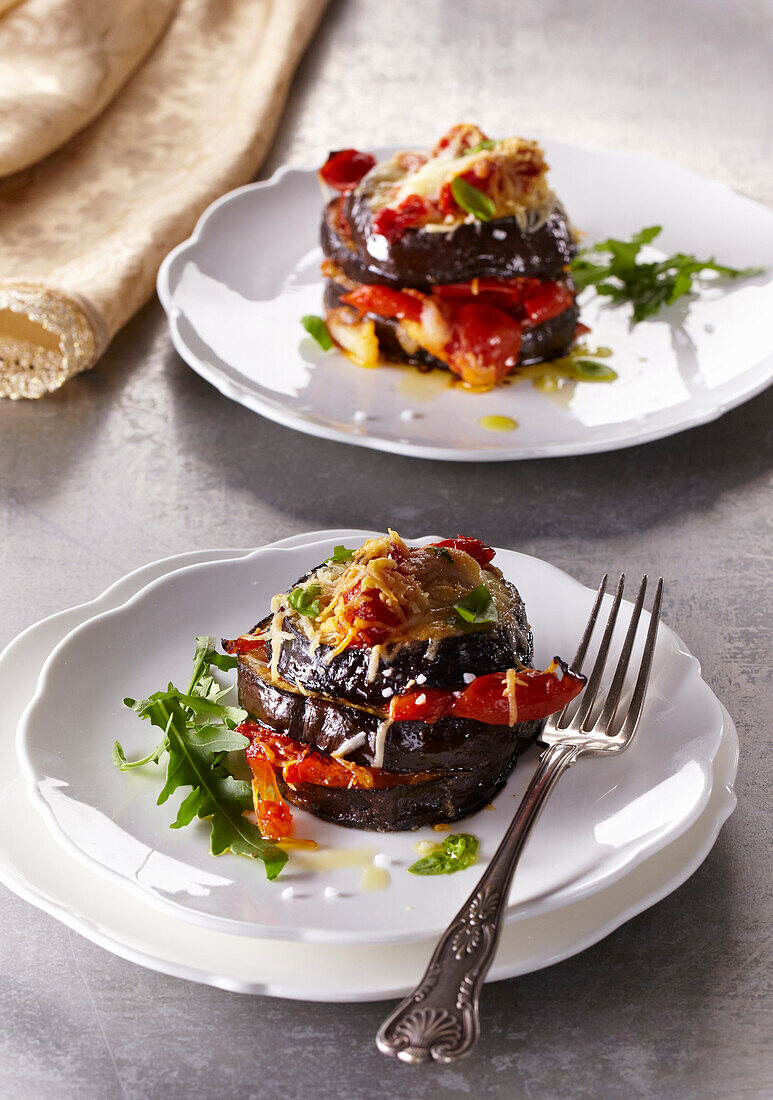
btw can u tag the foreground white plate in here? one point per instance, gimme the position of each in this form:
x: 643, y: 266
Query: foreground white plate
x: 34, y: 866
x: 604, y: 819
x: 236, y: 290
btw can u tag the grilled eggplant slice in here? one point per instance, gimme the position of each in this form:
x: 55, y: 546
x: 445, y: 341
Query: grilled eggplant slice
x: 548, y: 340
x: 420, y: 258
x: 349, y: 675
x: 326, y: 724
x: 447, y: 798
x: 499, y: 248
x: 338, y: 684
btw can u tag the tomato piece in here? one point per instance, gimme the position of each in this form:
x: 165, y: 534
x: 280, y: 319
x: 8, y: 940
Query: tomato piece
x: 460, y: 139
x: 580, y: 330
x: 384, y: 301
x: 504, y: 293
x: 368, y: 606
x: 247, y: 643
x: 485, y: 343
x: 474, y: 547
x: 392, y: 221
x: 550, y: 300
x: 344, y: 169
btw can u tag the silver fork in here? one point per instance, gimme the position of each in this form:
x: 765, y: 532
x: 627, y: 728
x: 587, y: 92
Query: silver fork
x: 440, y: 1019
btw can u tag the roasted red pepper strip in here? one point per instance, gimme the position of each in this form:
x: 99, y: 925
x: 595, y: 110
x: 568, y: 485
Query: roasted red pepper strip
x: 487, y: 699
x: 298, y: 763
x: 427, y: 705
x: 275, y: 819
x: 550, y: 300
x: 384, y: 301
x: 474, y: 547
x: 505, y: 293
x: 344, y: 169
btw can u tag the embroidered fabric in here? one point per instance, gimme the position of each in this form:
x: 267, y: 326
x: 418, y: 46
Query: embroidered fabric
x: 83, y: 231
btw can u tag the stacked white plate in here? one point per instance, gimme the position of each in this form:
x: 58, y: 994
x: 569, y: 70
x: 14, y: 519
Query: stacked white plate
x: 236, y: 290
x: 87, y: 843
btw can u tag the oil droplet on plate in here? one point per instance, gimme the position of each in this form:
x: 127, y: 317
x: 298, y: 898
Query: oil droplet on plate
x: 498, y: 423
x: 416, y: 385
x: 372, y: 878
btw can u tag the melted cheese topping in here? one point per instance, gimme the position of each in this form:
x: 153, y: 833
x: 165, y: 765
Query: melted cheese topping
x: 416, y: 588
x: 513, y: 174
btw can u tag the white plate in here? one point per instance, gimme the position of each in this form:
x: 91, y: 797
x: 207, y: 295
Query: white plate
x: 34, y: 867
x: 236, y: 290
x: 605, y: 817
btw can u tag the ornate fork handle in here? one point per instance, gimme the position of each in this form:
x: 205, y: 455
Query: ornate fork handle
x: 440, y: 1018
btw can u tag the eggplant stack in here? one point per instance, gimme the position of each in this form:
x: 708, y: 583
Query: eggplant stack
x: 456, y: 258
x: 391, y: 687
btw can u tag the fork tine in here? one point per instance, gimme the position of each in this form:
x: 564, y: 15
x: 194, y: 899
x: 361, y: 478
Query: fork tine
x: 582, y: 648
x: 592, y: 687
x: 640, y: 690
x: 607, y: 715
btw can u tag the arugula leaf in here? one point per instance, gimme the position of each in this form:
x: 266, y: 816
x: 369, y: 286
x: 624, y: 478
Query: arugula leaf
x: 198, y: 732
x: 455, y: 854
x: 340, y: 555
x: 476, y: 607
x: 472, y: 200
x: 317, y: 329
x: 614, y: 269
x: 305, y: 600
x: 489, y: 143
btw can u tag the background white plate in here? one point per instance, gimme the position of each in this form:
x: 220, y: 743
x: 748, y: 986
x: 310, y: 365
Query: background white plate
x: 236, y: 290
x: 605, y: 817
x: 34, y: 866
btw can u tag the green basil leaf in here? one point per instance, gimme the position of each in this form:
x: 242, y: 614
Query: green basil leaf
x: 305, y: 600
x: 472, y: 200
x: 489, y: 143
x: 613, y: 268
x: 341, y: 554
x: 442, y: 552
x: 587, y: 370
x: 317, y: 329
x: 476, y: 607
x: 455, y: 854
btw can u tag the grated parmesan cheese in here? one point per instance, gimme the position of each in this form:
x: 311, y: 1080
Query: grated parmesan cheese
x: 350, y: 744
x: 380, y: 745
x: 510, y: 692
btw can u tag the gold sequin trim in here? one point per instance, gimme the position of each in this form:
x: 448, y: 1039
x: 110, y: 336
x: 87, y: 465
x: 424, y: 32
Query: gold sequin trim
x: 45, y: 338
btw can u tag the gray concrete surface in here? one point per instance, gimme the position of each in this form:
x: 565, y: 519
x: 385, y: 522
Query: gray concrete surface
x: 141, y: 458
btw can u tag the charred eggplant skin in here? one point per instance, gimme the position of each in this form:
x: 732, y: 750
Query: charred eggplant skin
x: 499, y: 248
x: 450, y: 744
x: 346, y: 677
x: 448, y: 798
x: 549, y: 340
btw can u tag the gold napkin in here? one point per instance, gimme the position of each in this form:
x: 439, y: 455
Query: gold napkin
x: 61, y: 62
x: 83, y: 231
